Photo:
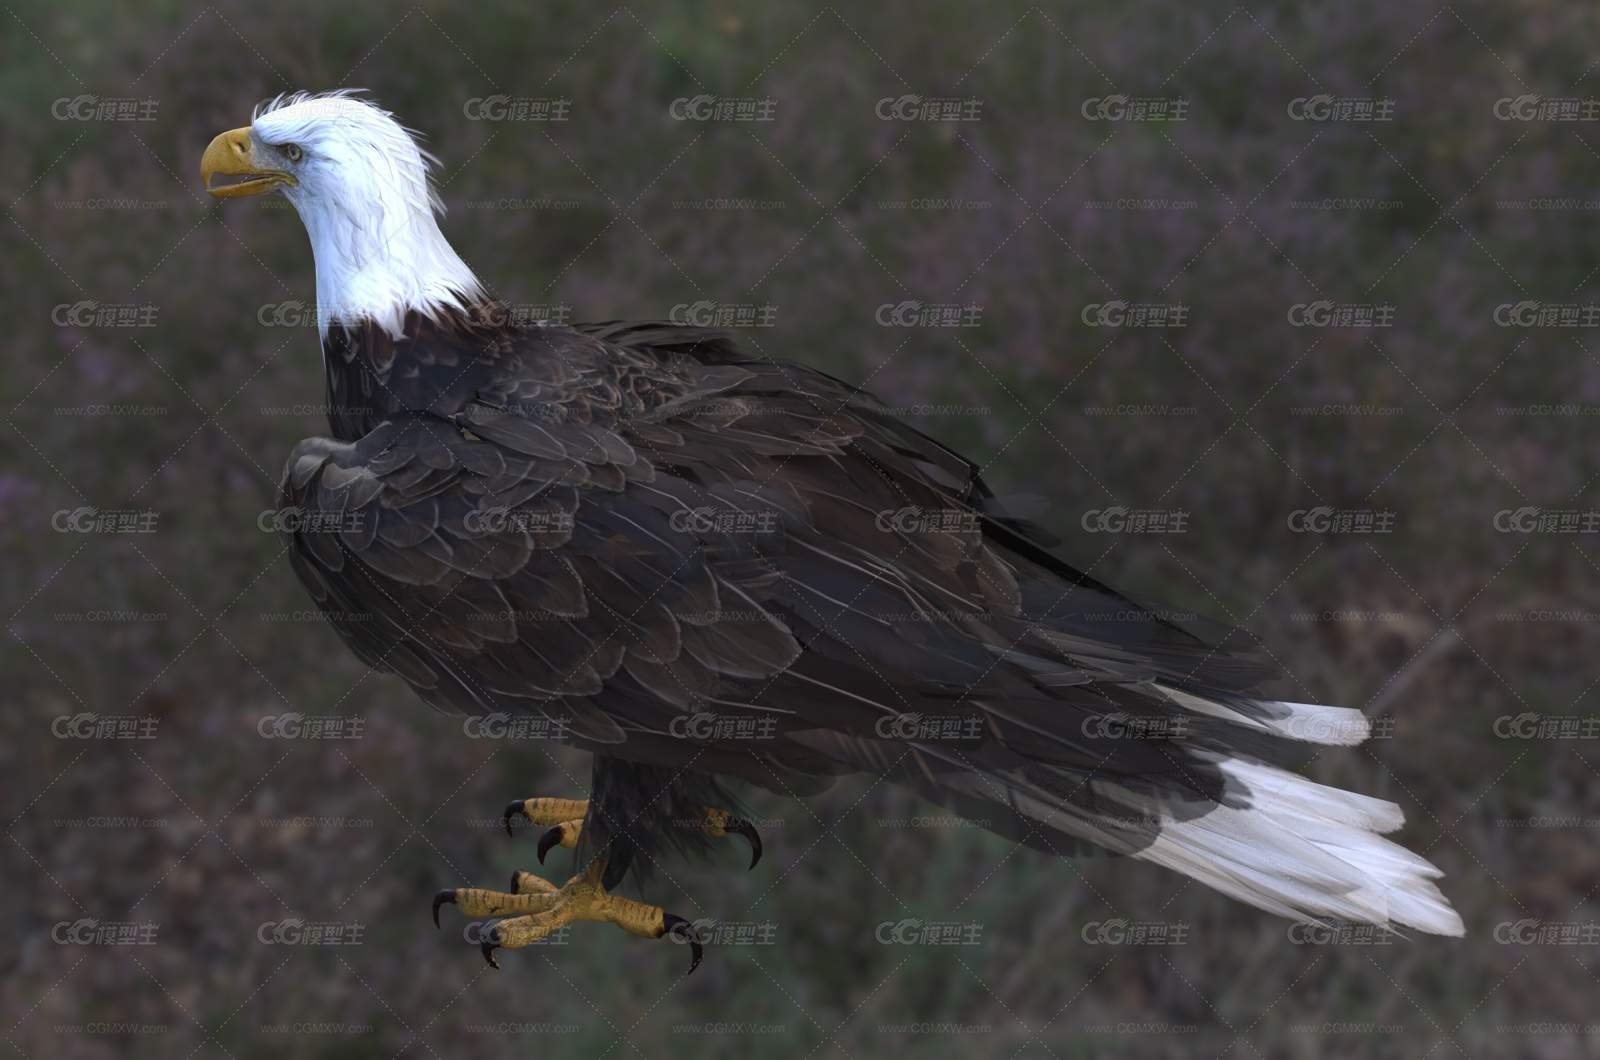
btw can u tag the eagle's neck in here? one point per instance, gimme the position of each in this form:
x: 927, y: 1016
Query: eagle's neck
x: 380, y: 256
x: 397, y: 307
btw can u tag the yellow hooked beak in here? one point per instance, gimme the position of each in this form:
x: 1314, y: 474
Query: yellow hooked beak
x: 230, y: 155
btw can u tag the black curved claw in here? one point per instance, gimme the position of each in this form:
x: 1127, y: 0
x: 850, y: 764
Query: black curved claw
x: 740, y: 826
x: 447, y: 895
x: 512, y: 809
x: 551, y: 838
x: 679, y: 928
x: 490, y: 943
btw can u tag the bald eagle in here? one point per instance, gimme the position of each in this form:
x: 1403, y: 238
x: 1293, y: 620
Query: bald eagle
x: 698, y: 565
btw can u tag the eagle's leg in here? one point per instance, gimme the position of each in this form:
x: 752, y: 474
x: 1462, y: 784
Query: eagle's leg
x: 540, y: 908
x: 565, y: 816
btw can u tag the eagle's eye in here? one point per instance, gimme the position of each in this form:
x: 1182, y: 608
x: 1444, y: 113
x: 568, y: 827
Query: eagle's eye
x: 292, y: 152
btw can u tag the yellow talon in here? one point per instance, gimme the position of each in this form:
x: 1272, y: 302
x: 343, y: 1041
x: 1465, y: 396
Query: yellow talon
x: 583, y: 899
x: 479, y: 902
x: 527, y: 883
x: 565, y: 818
x: 534, y: 908
x: 546, y: 811
x: 564, y: 834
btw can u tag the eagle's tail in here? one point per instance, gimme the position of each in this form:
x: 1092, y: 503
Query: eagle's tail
x: 1306, y: 851
x: 1218, y: 813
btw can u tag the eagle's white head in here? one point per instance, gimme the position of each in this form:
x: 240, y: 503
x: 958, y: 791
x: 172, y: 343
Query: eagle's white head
x: 361, y: 184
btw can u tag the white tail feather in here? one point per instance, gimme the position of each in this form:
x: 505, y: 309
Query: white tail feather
x: 1307, y: 851
x: 1308, y: 722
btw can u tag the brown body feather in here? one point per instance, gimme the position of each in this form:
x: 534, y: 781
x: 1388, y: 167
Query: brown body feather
x: 707, y: 565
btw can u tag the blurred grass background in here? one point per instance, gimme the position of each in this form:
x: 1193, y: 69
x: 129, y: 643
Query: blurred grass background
x: 1442, y: 625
